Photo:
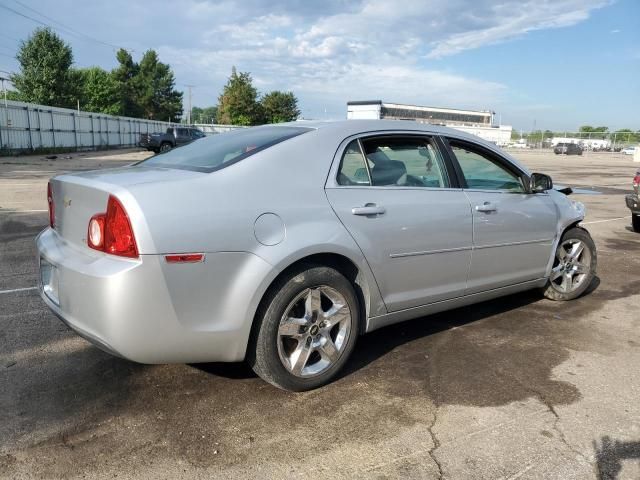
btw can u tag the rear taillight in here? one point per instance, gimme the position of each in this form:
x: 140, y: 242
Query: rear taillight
x: 111, y: 232
x: 95, y: 235
x: 52, y: 206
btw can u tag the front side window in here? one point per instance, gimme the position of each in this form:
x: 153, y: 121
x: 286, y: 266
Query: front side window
x: 218, y: 151
x: 482, y: 172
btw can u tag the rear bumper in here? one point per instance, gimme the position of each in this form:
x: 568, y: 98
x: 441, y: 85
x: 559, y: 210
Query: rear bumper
x: 149, y: 311
x: 633, y: 202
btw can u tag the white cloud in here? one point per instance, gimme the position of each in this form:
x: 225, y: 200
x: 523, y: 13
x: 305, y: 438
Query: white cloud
x: 511, y: 21
x: 372, y: 49
x: 325, y: 51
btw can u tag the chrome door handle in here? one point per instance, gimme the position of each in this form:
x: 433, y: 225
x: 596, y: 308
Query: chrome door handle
x: 368, y: 209
x: 486, y: 207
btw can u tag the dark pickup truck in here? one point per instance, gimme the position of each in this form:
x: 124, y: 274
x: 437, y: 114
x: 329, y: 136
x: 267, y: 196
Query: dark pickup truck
x: 173, y: 137
x: 633, y: 202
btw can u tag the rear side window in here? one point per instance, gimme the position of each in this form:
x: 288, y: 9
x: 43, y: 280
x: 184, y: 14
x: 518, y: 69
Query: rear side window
x: 405, y: 162
x: 393, y: 161
x: 218, y: 151
x: 353, y: 170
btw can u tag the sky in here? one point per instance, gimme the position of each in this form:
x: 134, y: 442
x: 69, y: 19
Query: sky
x: 543, y: 64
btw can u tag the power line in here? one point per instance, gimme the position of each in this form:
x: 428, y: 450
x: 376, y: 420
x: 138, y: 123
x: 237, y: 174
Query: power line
x: 65, y: 29
x: 9, y: 38
x: 68, y: 27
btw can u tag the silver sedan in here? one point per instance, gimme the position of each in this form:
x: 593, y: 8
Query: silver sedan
x: 282, y: 244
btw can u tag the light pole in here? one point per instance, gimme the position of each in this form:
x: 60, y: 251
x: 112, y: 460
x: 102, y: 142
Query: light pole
x: 6, y: 111
x: 189, y: 112
x: 4, y: 90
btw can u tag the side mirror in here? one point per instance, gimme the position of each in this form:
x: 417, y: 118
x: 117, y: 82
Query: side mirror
x: 540, y: 183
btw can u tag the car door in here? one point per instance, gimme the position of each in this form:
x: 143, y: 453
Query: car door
x: 513, y: 230
x: 397, y: 196
x: 183, y: 136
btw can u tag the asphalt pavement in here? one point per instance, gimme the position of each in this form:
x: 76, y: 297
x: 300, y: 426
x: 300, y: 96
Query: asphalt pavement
x: 519, y: 387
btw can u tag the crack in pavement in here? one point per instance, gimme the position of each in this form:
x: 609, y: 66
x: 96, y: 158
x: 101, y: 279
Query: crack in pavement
x: 436, y: 444
x: 543, y: 399
x: 564, y: 440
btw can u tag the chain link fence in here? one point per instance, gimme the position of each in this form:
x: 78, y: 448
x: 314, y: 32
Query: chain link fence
x: 614, y: 142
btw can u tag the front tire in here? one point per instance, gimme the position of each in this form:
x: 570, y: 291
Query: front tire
x: 635, y: 222
x: 308, y: 326
x: 574, y: 266
x: 165, y: 147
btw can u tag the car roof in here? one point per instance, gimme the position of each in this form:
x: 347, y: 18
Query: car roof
x: 347, y: 128
x: 357, y: 126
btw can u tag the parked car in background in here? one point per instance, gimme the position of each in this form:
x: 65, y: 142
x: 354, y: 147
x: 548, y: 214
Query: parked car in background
x: 629, y: 150
x: 567, y: 149
x: 282, y: 244
x: 633, y: 202
x: 173, y: 137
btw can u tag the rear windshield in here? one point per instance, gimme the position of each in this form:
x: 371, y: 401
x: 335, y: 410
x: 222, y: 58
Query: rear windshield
x: 218, y: 151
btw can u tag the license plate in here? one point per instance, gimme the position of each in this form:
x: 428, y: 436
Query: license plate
x: 49, y: 280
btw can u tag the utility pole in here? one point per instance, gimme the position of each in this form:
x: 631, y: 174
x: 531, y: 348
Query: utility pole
x: 6, y: 108
x: 189, y: 111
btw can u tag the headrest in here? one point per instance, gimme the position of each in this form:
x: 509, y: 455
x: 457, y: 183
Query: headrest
x: 387, y: 172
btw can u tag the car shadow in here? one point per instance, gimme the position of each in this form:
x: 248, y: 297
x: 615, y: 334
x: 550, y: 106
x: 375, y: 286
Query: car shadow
x: 376, y: 345
x: 609, y: 454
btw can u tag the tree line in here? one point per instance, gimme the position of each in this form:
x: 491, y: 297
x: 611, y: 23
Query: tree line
x: 241, y: 104
x: 144, y: 89
x: 584, y: 132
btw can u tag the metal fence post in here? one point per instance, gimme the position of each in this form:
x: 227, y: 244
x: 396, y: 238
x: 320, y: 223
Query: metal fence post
x: 53, y: 128
x: 29, y: 127
x: 75, y: 129
x: 1, y: 144
x: 39, y: 126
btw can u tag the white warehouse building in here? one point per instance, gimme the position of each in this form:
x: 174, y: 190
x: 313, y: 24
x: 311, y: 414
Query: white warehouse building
x: 475, y: 122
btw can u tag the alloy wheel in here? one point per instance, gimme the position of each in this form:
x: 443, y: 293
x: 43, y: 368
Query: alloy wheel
x: 314, y: 331
x: 572, y: 266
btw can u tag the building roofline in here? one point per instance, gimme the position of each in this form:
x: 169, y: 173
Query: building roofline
x: 365, y: 102
x: 419, y: 107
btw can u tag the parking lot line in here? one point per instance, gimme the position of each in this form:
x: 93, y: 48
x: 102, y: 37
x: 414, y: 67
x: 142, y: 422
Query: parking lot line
x: 14, y: 290
x: 606, y: 220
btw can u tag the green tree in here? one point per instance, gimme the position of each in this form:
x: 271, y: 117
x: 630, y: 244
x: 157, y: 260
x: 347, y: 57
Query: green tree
x: 155, y: 88
x: 125, y: 75
x: 238, y: 104
x: 99, y: 91
x: 204, y: 115
x: 13, y: 95
x: 45, y: 74
x: 279, y: 107
x: 587, y: 131
x: 625, y: 135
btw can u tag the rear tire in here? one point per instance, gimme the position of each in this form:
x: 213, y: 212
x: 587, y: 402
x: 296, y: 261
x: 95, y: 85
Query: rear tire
x: 307, y: 328
x: 635, y: 222
x: 574, y: 266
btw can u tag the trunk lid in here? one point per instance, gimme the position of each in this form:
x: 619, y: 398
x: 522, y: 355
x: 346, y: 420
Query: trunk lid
x: 77, y: 197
